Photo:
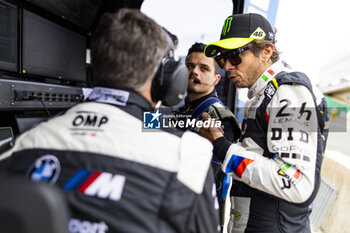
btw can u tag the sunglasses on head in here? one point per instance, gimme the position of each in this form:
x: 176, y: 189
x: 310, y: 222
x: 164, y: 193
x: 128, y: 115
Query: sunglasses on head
x: 234, y: 56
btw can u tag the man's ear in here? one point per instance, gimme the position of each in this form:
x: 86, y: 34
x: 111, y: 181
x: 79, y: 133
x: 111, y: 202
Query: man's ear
x: 267, y: 52
x: 217, y: 79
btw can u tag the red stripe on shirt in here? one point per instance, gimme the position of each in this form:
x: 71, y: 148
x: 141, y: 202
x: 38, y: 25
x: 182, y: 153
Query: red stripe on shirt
x: 88, y: 182
x: 267, y: 117
x: 241, y: 167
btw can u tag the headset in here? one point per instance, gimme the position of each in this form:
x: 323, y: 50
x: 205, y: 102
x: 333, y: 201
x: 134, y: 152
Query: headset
x: 170, y: 82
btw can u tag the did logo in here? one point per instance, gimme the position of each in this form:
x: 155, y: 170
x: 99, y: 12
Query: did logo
x: 151, y: 120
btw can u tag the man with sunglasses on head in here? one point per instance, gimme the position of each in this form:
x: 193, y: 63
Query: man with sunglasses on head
x: 203, y: 76
x: 276, y: 163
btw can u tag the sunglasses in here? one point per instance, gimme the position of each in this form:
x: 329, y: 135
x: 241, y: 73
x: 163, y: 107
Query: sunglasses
x: 234, y: 56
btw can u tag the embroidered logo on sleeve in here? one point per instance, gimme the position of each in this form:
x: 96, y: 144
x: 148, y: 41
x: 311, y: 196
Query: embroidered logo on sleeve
x: 237, y: 164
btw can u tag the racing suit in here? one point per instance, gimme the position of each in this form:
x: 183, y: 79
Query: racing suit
x: 232, y: 132
x: 276, y: 163
x: 116, y: 177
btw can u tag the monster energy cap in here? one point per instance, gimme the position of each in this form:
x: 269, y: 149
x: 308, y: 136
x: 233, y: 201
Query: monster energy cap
x: 239, y: 30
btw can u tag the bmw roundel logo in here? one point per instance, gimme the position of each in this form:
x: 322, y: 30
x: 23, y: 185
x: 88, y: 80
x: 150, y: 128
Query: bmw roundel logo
x: 46, y: 168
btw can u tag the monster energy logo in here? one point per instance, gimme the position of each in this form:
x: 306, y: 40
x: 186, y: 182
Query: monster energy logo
x: 227, y: 26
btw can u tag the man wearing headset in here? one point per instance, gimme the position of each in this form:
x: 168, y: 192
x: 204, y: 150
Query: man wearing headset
x: 116, y: 177
x: 203, y: 76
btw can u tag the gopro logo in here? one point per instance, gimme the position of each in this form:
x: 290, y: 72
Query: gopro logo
x: 151, y: 120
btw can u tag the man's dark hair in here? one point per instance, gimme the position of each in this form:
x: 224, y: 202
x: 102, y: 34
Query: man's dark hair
x: 196, y: 47
x: 126, y: 51
x: 199, y: 47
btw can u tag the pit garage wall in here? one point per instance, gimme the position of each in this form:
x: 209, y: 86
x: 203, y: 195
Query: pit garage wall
x: 337, y: 216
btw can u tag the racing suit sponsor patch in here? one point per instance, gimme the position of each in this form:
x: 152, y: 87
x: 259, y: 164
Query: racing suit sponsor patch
x: 237, y: 164
x: 101, y: 184
x: 77, y: 226
x: 111, y: 96
x: 88, y: 123
x: 46, y: 168
x: 292, y: 174
x: 270, y: 90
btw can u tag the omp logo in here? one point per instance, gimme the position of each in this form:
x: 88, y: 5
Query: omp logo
x: 151, y: 120
x: 77, y: 226
x: 227, y: 26
x: 88, y: 123
x: 89, y: 119
x: 101, y: 184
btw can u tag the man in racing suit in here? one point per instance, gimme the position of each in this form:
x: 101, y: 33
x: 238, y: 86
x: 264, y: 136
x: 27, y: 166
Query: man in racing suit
x: 116, y: 177
x: 203, y: 76
x: 276, y: 163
